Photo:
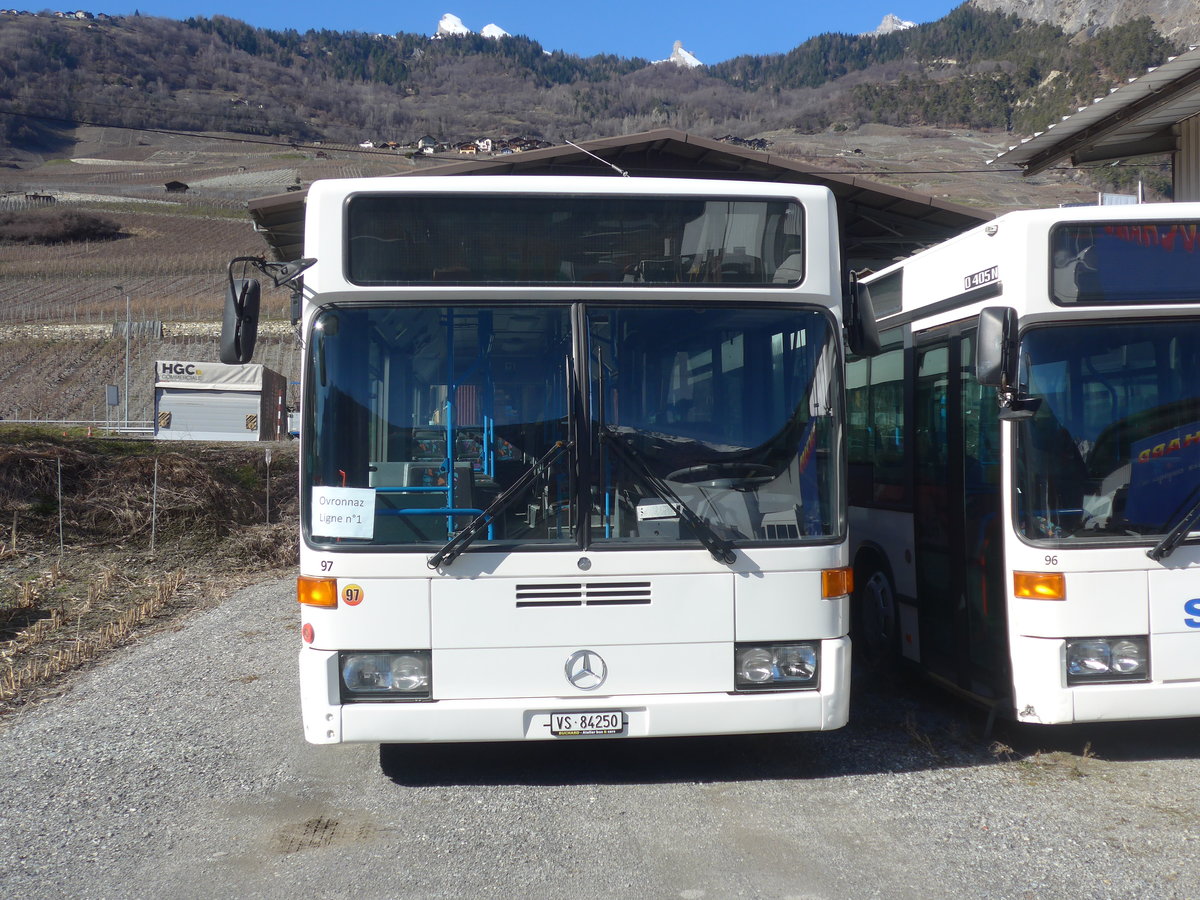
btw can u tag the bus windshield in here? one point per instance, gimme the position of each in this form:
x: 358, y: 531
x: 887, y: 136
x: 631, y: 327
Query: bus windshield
x: 1113, y: 450
x: 678, y: 425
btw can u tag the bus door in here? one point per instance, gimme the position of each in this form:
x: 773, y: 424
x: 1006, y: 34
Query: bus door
x: 957, y: 523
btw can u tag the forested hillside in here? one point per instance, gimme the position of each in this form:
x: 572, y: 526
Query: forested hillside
x: 1176, y: 19
x: 972, y: 69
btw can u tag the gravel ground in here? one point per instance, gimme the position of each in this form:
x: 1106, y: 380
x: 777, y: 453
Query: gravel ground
x: 177, y: 768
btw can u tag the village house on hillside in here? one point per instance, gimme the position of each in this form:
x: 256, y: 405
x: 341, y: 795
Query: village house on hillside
x: 80, y: 14
x: 429, y: 145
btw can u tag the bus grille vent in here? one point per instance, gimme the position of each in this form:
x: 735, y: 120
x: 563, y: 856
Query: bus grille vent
x: 611, y: 593
x: 626, y: 593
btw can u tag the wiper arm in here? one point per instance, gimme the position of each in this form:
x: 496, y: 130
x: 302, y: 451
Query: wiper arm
x: 720, y: 549
x: 1176, y: 535
x: 457, y: 544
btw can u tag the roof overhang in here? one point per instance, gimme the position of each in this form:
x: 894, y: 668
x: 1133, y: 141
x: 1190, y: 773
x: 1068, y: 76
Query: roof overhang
x: 879, y: 222
x: 1136, y: 119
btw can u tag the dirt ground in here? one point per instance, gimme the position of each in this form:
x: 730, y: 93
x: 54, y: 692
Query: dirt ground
x: 102, y: 539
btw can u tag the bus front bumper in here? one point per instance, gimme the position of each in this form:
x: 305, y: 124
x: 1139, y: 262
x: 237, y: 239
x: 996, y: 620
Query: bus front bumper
x: 327, y: 721
x: 1042, y: 695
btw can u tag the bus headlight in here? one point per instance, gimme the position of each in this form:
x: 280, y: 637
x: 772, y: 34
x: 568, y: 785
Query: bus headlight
x: 1091, y: 660
x: 386, y: 675
x: 773, y: 667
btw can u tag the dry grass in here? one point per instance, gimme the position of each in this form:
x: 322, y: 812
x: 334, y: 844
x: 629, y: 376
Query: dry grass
x: 919, y: 738
x: 76, y: 631
x: 1061, y: 764
x: 61, y: 609
x: 105, y: 496
x: 69, y: 592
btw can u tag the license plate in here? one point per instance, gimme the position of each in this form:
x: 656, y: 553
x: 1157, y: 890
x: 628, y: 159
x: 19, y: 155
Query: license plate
x: 577, y: 724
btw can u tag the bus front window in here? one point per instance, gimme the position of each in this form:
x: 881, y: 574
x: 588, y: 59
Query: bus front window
x: 1114, y: 448
x: 428, y: 410
x: 721, y: 422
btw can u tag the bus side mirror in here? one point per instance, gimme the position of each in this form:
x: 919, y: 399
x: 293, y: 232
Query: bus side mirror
x: 862, y: 331
x: 239, y: 328
x: 996, y: 347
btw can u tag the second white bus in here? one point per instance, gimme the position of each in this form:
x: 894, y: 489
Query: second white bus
x: 1025, y: 464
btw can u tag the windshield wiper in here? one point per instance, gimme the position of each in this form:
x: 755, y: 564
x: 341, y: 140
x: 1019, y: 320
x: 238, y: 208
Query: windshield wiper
x: 720, y: 549
x: 1183, y: 527
x: 457, y: 544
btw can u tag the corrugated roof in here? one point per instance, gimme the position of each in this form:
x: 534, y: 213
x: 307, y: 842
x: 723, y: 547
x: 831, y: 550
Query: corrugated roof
x: 879, y: 222
x: 1134, y: 119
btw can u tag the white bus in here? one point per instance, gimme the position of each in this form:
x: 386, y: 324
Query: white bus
x: 1024, y: 462
x: 572, y: 458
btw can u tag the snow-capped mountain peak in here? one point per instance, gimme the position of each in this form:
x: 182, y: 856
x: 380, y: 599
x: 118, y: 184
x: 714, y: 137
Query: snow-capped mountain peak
x: 890, y: 23
x: 681, y: 58
x: 451, y: 25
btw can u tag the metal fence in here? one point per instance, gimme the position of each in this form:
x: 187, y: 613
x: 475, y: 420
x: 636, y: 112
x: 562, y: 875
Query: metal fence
x: 93, y: 426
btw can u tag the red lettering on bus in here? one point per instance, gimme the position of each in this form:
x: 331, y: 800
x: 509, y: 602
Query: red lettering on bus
x: 1152, y: 236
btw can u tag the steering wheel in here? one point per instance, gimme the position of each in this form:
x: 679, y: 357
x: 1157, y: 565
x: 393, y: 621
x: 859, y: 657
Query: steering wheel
x: 711, y: 475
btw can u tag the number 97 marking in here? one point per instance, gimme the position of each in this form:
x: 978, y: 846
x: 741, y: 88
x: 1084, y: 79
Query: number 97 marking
x: 352, y: 595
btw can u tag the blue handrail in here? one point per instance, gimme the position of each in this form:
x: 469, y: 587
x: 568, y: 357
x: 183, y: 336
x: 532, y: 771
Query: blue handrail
x: 448, y: 511
x: 436, y: 511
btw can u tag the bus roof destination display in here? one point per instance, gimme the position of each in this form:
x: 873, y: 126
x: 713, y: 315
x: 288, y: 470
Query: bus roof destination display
x: 1107, y: 262
x: 559, y: 240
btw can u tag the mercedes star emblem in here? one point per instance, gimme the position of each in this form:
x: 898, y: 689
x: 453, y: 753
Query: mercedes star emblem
x: 586, y: 669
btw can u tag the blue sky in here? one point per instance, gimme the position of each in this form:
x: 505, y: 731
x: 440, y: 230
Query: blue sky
x: 646, y: 28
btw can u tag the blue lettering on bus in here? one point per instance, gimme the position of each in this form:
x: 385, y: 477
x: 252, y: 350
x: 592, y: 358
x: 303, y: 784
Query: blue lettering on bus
x: 1192, y: 608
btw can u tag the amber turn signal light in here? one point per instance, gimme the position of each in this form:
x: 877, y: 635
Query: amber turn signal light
x: 1040, y: 585
x: 313, y: 591
x: 837, y: 582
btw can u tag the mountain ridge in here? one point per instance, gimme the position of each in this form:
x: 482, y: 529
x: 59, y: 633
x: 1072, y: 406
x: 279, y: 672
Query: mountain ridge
x: 972, y: 69
x: 891, y: 23
x: 1176, y: 20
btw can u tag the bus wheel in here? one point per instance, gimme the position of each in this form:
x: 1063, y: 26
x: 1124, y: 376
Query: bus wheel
x: 876, y: 616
